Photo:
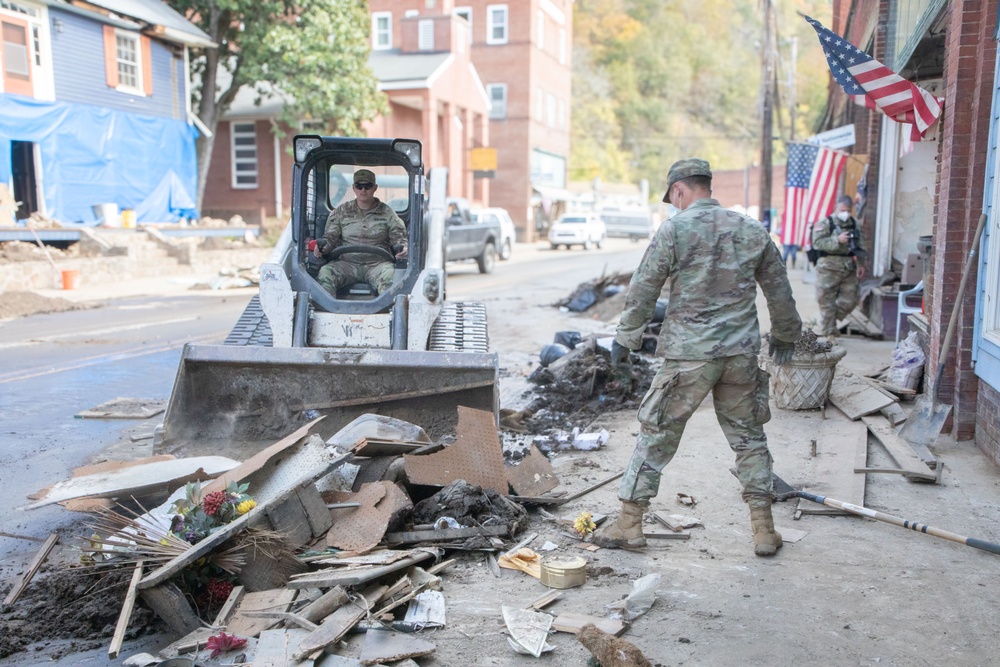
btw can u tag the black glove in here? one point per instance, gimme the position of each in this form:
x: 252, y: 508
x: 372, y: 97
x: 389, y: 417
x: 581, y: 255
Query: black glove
x: 619, y: 354
x: 780, y: 351
x: 324, y: 246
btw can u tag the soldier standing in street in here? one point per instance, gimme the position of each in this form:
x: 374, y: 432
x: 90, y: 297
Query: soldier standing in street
x: 837, y: 238
x: 710, y: 339
x: 365, y: 220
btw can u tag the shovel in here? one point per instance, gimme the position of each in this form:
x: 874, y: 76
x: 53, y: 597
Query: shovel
x: 923, y: 427
x: 783, y: 491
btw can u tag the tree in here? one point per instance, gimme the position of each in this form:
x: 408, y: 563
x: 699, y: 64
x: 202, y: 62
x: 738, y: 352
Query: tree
x: 311, y: 53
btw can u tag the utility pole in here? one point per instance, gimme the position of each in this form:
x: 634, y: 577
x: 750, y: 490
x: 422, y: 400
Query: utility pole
x: 791, y: 86
x: 767, y: 111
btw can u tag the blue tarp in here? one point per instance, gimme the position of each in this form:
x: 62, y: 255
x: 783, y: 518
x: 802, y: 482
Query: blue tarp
x: 92, y: 155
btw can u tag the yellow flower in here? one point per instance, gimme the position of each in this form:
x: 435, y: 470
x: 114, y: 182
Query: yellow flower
x: 246, y: 506
x: 584, y: 524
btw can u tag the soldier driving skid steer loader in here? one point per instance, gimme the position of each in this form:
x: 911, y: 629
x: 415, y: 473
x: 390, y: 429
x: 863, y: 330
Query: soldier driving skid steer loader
x: 300, y: 350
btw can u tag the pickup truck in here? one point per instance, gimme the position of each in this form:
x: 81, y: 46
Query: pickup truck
x: 469, y: 239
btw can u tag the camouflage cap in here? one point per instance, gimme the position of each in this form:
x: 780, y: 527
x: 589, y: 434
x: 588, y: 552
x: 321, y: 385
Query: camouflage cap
x: 364, y: 176
x: 686, y: 168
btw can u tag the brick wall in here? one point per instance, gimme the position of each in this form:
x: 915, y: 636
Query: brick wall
x: 729, y: 188
x: 970, y: 52
x: 988, y: 422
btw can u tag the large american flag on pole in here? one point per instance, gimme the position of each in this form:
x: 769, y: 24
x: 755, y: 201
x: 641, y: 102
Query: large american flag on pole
x: 870, y: 83
x: 811, y: 179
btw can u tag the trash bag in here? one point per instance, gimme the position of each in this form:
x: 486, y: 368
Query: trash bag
x: 568, y: 338
x: 552, y: 352
x: 582, y: 300
x: 611, y: 290
x: 907, y: 367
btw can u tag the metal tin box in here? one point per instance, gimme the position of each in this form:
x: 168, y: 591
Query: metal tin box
x: 568, y: 572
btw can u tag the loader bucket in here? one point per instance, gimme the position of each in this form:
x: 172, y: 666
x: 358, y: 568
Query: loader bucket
x: 235, y: 399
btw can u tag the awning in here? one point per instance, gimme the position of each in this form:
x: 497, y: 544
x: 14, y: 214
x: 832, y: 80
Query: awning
x: 554, y: 194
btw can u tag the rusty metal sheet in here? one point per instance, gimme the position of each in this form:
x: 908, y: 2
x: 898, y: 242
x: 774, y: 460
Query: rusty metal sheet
x: 533, y: 476
x: 476, y: 456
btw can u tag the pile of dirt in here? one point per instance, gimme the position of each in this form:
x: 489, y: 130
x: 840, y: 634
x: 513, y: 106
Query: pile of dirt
x: 79, y: 604
x: 22, y: 304
x: 470, y: 505
x: 21, y: 251
x: 588, y: 294
x: 809, y: 344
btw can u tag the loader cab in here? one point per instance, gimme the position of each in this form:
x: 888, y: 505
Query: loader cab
x: 323, y: 180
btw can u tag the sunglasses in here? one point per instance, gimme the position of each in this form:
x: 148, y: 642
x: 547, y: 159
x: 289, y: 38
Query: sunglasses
x: 364, y: 186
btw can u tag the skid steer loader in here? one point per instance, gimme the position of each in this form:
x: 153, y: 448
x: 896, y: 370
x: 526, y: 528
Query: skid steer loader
x: 299, y: 351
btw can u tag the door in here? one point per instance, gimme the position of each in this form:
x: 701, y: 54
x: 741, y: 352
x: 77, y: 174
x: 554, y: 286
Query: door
x: 16, y: 57
x: 22, y: 163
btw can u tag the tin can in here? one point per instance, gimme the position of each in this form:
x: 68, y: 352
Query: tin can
x: 568, y: 572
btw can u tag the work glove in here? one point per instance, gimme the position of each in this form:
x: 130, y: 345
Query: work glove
x: 324, y: 246
x: 780, y: 351
x: 619, y: 354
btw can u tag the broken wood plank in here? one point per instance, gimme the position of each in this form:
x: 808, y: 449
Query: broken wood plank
x: 895, y: 414
x: 875, y: 385
x: 324, y: 605
x: 354, y: 576
x: 243, y: 624
x: 899, y: 449
x: 375, y: 447
x: 895, y: 388
x: 572, y: 622
x: 286, y: 616
x: 289, y: 518
x: 413, y: 537
x: 171, y: 606
x: 544, y: 600
x: 841, y: 446
x: 275, y: 648
x: 32, y: 568
x: 40, y: 540
x: 855, y: 397
x: 338, y: 623
x: 593, y: 487
x: 316, y: 510
x: 385, y: 646
x: 192, y: 642
x: 533, y: 475
x: 222, y: 618
x: 665, y: 533
x: 427, y: 610
x: 126, y: 612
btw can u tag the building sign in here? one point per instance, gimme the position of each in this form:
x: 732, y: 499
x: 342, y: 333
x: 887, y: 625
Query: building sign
x: 483, y: 162
x: 548, y: 169
x: 840, y: 137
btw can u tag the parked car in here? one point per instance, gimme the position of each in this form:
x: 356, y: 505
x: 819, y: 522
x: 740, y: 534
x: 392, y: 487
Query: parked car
x: 490, y: 216
x: 633, y: 223
x: 468, y: 239
x: 582, y: 229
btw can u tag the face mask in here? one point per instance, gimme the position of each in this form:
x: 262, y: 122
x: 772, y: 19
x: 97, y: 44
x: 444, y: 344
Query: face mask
x: 843, y: 216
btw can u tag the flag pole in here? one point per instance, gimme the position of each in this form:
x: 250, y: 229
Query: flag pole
x: 767, y: 111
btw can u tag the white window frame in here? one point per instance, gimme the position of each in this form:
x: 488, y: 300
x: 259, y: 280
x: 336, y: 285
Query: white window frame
x: 991, y: 291
x: 425, y: 35
x: 465, y: 11
x: 139, y: 88
x: 491, y: 24
x: 233, y: 160
x: 494, y: 113
x: 376, y: 33
x: 562, y: 46
x: 410, y: 13
x: 540, y: 38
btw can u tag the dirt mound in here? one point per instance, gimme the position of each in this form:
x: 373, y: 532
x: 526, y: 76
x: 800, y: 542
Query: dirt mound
x: 809, y: 344
x: 21, y: 251
x: 80, y: 604
x: 22, y: 304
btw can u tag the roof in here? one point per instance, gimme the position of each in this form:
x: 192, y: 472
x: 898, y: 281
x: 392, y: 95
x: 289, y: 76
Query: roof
x: 167, y: 24
x: 395, y: 69
x: 244, y: 105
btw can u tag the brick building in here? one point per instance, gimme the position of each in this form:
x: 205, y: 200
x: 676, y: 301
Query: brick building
x: 940, y: 187
x: 523, y: 53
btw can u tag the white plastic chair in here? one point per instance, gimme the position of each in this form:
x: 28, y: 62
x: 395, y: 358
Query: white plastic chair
x: 902, y: 307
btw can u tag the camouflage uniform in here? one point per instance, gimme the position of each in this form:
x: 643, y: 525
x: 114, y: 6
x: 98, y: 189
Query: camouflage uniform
x: 836, y: 273
x: 710, y: 340
x: 349, y: 225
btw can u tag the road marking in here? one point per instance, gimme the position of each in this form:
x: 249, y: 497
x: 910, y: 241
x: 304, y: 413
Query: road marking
x: 94, y: 332
x: 30, y: 373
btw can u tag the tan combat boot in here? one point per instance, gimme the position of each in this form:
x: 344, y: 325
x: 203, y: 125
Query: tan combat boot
x: 766, y: 541
x: 626, y: 532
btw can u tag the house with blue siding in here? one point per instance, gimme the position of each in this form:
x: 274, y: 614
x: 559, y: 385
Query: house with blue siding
x: 95, y: 109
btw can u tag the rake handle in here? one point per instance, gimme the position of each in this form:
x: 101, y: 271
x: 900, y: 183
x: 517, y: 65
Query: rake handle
x: 902, y: 523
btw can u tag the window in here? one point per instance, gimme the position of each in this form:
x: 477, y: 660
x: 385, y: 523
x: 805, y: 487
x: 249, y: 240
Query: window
x: 496, y: 24
x: 15, y: 52
x: 466, y: 13
x: 411, y: 12
x: 381, y: 30
x: 541, y: 30
x: 562, y: 46
x: 539, y: 105
x: 129, y: 68
x: 425, y: 34
x: 498, y: 98
x: 244, y: 150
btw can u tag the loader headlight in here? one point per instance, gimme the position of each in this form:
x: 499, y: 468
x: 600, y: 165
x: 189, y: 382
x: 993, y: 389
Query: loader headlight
x: 304, y: 146
x: 432, y: 287
x: 411, y: 149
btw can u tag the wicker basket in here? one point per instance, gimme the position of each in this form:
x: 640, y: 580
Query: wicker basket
x: 804, y: 383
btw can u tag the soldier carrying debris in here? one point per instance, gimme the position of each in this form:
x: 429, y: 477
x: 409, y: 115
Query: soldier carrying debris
x: 710, y: 340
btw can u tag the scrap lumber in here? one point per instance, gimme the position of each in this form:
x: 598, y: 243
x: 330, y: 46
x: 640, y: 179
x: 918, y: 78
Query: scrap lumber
x: 911, y: 465
x: 374, y: 447
x: 895, y: 414
x: 385, y: 646
x: 324, y: 605
x: 29, y: 573
x: 244, y: 624
x: 569, y: 621
x: 417, y: 536
x: 338, y: 623
x: 855, y: 397
x: 167, y: 602
x: 658, y: 533
x: 192, y: 642
x: 22, y: 537
x: 286, y: 616
x: 235, y: 595
x: 126, y: 612
x: 355, y: 576
x: 275, y: 648
x: 317, y: 513
x: 841, y: 448
x: 288, y: 517
x: 544, y: 600
x: 414, y: 584
x: 426, y: 610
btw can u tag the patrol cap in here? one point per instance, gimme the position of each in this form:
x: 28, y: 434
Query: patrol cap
x: 685, y: 168
x: 364, y: 176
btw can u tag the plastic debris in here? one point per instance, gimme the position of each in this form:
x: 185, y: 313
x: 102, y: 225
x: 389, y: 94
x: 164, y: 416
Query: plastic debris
x: 638, y: 602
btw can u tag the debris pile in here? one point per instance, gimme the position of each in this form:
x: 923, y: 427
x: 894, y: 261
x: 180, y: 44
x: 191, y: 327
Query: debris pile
x: 21, y: 304
x: 590, y: 293
x: 22, y: 251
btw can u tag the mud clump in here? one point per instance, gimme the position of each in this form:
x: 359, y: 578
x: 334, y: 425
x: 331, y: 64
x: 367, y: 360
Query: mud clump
x: 470, y: 505
x: 808, y: 345
x: 77, y: 604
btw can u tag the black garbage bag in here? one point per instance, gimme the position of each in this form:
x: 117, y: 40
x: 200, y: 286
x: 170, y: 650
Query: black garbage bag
x: 568, y: 338
x: 661, y: 310
x: 552, y: 352
x: 582, y: 300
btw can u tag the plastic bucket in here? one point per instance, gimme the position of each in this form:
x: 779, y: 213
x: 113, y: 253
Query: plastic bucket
x: 70, y: 279
x: 128, y: 218
x: 107, y: 214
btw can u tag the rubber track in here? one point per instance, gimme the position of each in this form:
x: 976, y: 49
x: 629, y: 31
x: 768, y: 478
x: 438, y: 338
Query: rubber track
x: 252, y: 328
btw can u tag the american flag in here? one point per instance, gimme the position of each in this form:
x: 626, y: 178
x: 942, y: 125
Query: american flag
x: 811, y: 179
x: 870, y: 83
